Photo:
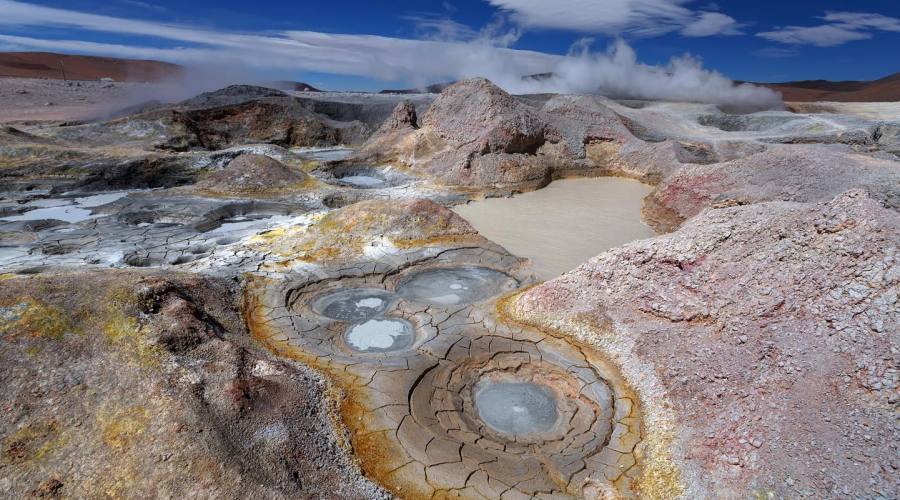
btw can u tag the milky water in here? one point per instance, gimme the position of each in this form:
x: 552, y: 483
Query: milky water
x: 324, y: 154
x: 516, y: 407
x: 353, y: 304
x: 564, y: 224
x: 362, y: 181
x: 457, y: 285
x: 380, y: 335
x: 66, y: 209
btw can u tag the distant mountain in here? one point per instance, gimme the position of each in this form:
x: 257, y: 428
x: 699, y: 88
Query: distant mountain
x: 75, y: 67
x: 435, y: 88
x: 538, y: 77
x: 882, y: 90
x: 295, y: 86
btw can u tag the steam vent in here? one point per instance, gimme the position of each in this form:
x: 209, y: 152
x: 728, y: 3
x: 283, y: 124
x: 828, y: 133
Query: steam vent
x: 445, y: 399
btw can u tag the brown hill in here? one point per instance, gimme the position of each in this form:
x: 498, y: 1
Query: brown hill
x: 883, y: 90
x: 76, y: 67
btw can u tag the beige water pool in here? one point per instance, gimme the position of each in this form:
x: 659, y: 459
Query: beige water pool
x: 564, y: 224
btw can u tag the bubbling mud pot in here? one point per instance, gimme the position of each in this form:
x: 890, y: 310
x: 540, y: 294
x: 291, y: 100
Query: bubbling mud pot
x: 353, y: 305
x: 443, y: 398
x: 452, y: 286
x: 516, y: 408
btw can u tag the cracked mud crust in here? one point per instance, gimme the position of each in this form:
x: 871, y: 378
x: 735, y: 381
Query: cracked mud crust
x: 411, y: 415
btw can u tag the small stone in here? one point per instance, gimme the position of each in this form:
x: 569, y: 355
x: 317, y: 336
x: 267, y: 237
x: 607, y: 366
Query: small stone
x: 756, y: 442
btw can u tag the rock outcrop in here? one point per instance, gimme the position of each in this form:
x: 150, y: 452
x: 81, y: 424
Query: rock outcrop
x: 233, y: 116
x: 763, y: 336
x: 474, y: 134
x: 787, y: 173
x: 139, y: 385
x: 253, y: 174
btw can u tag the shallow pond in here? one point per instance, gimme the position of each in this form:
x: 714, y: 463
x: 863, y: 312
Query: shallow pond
x: 564, y: 224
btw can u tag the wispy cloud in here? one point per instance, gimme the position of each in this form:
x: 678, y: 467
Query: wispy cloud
x: 144, y: 5
x: 485, y: 53
x: 617, y: 17
x: 712, y: 23
x: 777, y: 52
x: 498, y: 32
x: 841, y: 28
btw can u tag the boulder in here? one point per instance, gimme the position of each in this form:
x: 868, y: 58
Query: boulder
x: 887, y: 136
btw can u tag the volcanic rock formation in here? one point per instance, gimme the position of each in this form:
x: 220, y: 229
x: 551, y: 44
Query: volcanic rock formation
x: 787, y: 173
x: 782, y: 320
x: 474, y: 134
x: 137, y: 384
x: 250, y: 174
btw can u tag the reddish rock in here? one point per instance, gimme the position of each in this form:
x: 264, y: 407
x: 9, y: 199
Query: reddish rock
x: 764, y: 335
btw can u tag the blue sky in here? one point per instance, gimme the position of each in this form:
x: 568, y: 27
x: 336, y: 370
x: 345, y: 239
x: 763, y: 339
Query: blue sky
x: 330, y: 44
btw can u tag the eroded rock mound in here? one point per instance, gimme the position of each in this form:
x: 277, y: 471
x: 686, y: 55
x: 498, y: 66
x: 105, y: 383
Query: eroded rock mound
x: 233, y: 116
x: 276, y: 120
x: 788, y: 173
x: 253, y: 174
x: 369, y: 228
x: 474, y: 134
x: 764, y: 335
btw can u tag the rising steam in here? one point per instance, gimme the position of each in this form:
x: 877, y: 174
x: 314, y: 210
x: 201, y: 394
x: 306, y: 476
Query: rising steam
x: 617, y: 73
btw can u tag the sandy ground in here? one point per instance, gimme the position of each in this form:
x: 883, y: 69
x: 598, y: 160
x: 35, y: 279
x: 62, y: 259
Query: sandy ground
x: 39, y: 100
x: 887, y: 111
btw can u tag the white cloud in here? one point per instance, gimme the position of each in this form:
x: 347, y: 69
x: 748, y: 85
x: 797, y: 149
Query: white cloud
x: 712, y: 23
x: 616, y: 17
x: 820, y: 36
x: 843, y: 27
x: 441, y: 29
x: 863, y: 20
x: 616, y: 72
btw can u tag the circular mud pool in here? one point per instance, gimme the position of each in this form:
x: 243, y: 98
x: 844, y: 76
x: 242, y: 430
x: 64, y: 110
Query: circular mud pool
x: 362, y: 181
x: 516, y: 407
x: 353, y: 305
x: 380, y: 335
x: 454, y: 286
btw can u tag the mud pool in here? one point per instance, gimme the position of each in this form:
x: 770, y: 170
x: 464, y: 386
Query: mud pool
x: 564, y: 224
x: 444, y: 396
x: 516, y: 407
